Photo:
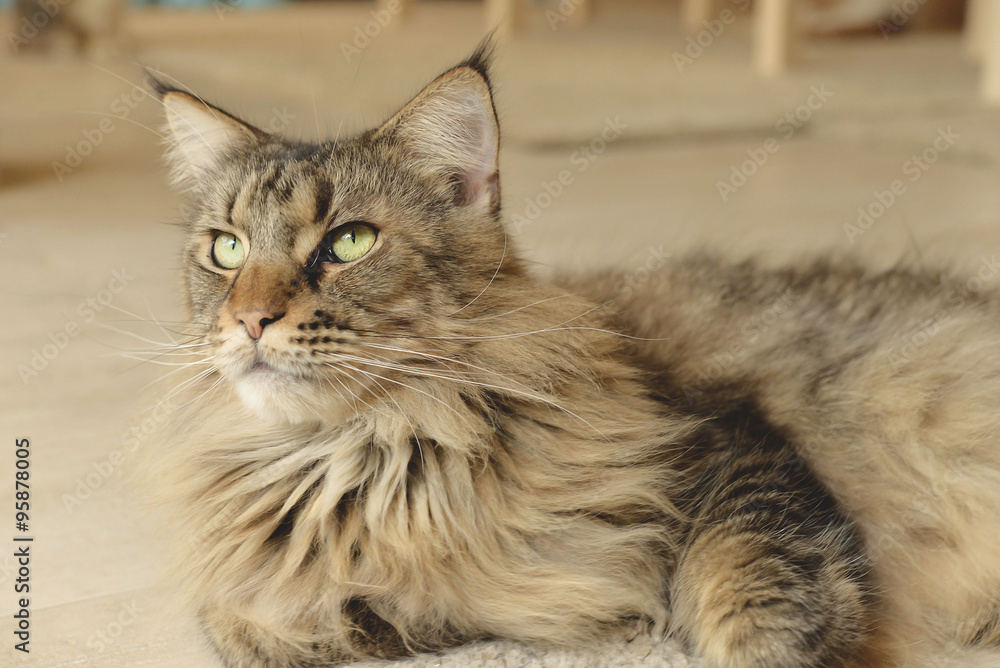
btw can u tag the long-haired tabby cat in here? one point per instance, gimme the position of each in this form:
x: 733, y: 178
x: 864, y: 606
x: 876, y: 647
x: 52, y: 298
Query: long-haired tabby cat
x: 403, y: 440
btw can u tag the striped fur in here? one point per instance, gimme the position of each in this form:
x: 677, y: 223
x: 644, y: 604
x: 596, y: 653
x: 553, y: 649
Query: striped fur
x: 429, y: 445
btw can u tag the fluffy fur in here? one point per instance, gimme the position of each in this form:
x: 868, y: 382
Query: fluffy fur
x: 430, y: 445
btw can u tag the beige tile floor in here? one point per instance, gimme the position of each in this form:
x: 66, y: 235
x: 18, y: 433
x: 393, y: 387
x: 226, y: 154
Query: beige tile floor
x: 654, y: 189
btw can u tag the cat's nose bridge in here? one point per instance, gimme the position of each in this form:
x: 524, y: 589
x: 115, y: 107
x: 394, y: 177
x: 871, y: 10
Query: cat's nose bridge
x: 260, y: 296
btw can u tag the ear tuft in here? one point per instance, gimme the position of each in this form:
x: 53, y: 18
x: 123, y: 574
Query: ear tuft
x: 200, y: 135
x: 481, y: 59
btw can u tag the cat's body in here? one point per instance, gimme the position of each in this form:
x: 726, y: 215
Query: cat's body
x: 431, y: 445
x: 887, y: 384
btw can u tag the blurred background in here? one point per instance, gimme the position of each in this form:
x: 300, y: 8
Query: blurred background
x: 632, y: 131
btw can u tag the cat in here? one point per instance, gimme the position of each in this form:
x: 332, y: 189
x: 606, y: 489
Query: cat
x: 399, y: 439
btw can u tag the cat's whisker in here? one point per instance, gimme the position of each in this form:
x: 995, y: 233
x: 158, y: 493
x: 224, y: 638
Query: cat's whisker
x: 402, y: 414
x: 503, y: 256
x: 157, y: 99
x: 144, y: 355
x: 199, y: 328
x: 154, y: 360
x: 520, y: 308
x: 484, y: 370
x: 315, y: 114
x: 356, y: 395
x: 372, y: 375
x: 529, y: 395
x: 151, y: 320
x: 189, y: 382
x: 413, y: 371
x: 160, y: 323
x: 400, y: 366
x: 415, y: 389
x: 333, y: 387
x: 354, y: 399
x: 448, y: 367
x: 211, y: 388
x: 123, y: 118
x: 139, y: 337
x: 163, y: 377
x: 513, y: 335
x: 157, y: 354
x: 161, y: 363
x: 134, y: 85
x: 171, y: 349
x: 186, y: 338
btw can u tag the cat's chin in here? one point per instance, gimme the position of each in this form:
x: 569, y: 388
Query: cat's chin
x: 278, y: 397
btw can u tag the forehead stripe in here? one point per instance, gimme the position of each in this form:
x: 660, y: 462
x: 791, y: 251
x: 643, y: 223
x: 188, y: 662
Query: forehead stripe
x: 272, y: 180
x: 230, y: 206
x: 324, y: 194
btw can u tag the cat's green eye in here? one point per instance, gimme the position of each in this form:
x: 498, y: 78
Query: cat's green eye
x: 352, y: 241
x: 227, y: 251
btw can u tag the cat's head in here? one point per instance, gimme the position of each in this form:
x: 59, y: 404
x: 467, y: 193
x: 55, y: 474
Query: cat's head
x: 303, y: 259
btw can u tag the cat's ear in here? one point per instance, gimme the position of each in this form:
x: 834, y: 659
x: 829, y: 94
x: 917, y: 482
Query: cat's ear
x: 200, y: 135
x: 451, y: 129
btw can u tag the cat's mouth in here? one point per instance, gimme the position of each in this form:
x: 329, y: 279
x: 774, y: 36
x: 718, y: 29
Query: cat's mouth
x: 280, y: 389
x: 259, y: 367
x: 274, y: 393
x: 262, y: 368
x: 267, y: 375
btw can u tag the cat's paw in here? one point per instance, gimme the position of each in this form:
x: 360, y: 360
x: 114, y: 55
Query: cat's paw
x: 243, y: 644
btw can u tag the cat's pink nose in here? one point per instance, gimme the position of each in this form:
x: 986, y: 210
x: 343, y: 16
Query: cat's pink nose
x: 256, y: 321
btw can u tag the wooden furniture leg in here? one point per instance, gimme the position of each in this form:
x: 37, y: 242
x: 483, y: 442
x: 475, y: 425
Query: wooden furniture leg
x: 773, y: 36
x: 694, y: 13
